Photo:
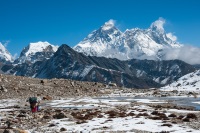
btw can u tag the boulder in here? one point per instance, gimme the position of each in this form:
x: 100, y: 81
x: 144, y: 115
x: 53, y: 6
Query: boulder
x: 72, y: 83
x: 59, y: 116
x: 43, y: 81
x: 47, y: 98
x: 3, y: 89
x: 46, y: 117
x: 63, y: 129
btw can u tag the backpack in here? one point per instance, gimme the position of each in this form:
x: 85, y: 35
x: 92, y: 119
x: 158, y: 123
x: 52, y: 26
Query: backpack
x: 33, y: 100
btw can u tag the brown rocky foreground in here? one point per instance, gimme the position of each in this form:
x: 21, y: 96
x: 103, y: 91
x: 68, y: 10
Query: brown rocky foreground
x: 17, y: 118
x: 23, y: 87
x: 21, y: 118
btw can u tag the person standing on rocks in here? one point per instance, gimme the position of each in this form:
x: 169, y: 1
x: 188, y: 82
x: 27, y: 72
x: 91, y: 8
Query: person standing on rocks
x: 34, y: 104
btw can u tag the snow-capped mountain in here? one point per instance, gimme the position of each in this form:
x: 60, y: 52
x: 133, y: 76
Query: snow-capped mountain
x: 5, y: 56
x: 36, y: 52
x: 69, y: 64
x: 108, y: 41
x: 105, y: 38
x: 189, y: 82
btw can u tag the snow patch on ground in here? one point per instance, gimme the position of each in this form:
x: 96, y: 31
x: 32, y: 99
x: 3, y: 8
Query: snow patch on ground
x: 182, y: 111
x: 107, y: 124
x: 125, y: 124
x: 197, y: 102
x: 149, y: 101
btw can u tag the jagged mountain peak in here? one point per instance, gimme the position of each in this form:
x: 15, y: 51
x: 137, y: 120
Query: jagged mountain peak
x: 108, y: 30
x: 4, y: 54
x: 66, y: 54
x: 100, y: 40
x: 108, y: 41
x: 38, y: 47
x: 67, y: 63
x: 65, y: 49
x: 36, y: 51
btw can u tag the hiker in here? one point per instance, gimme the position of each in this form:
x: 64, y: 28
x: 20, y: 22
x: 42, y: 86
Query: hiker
x: 34, y: 104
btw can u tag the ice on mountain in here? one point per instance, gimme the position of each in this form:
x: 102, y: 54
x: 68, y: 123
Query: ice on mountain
x: 86, y: 70
x: 164, y: 81
x: 39, y: 47
x: 4, y: 54
x: 36, y: 51
x: 108, y: 41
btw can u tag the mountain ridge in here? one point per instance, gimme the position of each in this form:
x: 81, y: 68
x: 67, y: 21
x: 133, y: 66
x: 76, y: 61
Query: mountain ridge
x: 189, y: 82
x: 69, y: 64
x: 109, y: 41
x: 132, y: 58
x: 5, y: 56
x: 36, y: 51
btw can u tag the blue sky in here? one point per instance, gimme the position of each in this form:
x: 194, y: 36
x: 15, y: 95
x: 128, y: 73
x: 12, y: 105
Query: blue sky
x: 69, y: 21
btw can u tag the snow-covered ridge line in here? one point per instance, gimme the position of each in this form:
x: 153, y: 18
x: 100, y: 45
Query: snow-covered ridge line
x: 39, y: 47
x: 36, y: 51
x: 109, y: 41
x: 4, y: 54
x: 189, y: 82
x: 109, y: 70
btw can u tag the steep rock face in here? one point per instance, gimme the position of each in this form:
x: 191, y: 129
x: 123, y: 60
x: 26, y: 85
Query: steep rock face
x: 36, y: 52
x: 108, y: 41
x: 5, y: 56
x: 67, y: 63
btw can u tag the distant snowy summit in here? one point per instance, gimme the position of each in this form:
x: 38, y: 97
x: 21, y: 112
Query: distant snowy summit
x: 5, y: 56
x: 109, y: 41
x: 36, y: 52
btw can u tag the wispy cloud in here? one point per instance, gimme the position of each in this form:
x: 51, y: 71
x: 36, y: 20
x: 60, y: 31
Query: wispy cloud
x: 5, y: 43
x: 188, y: 54
x: 111, y: 21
